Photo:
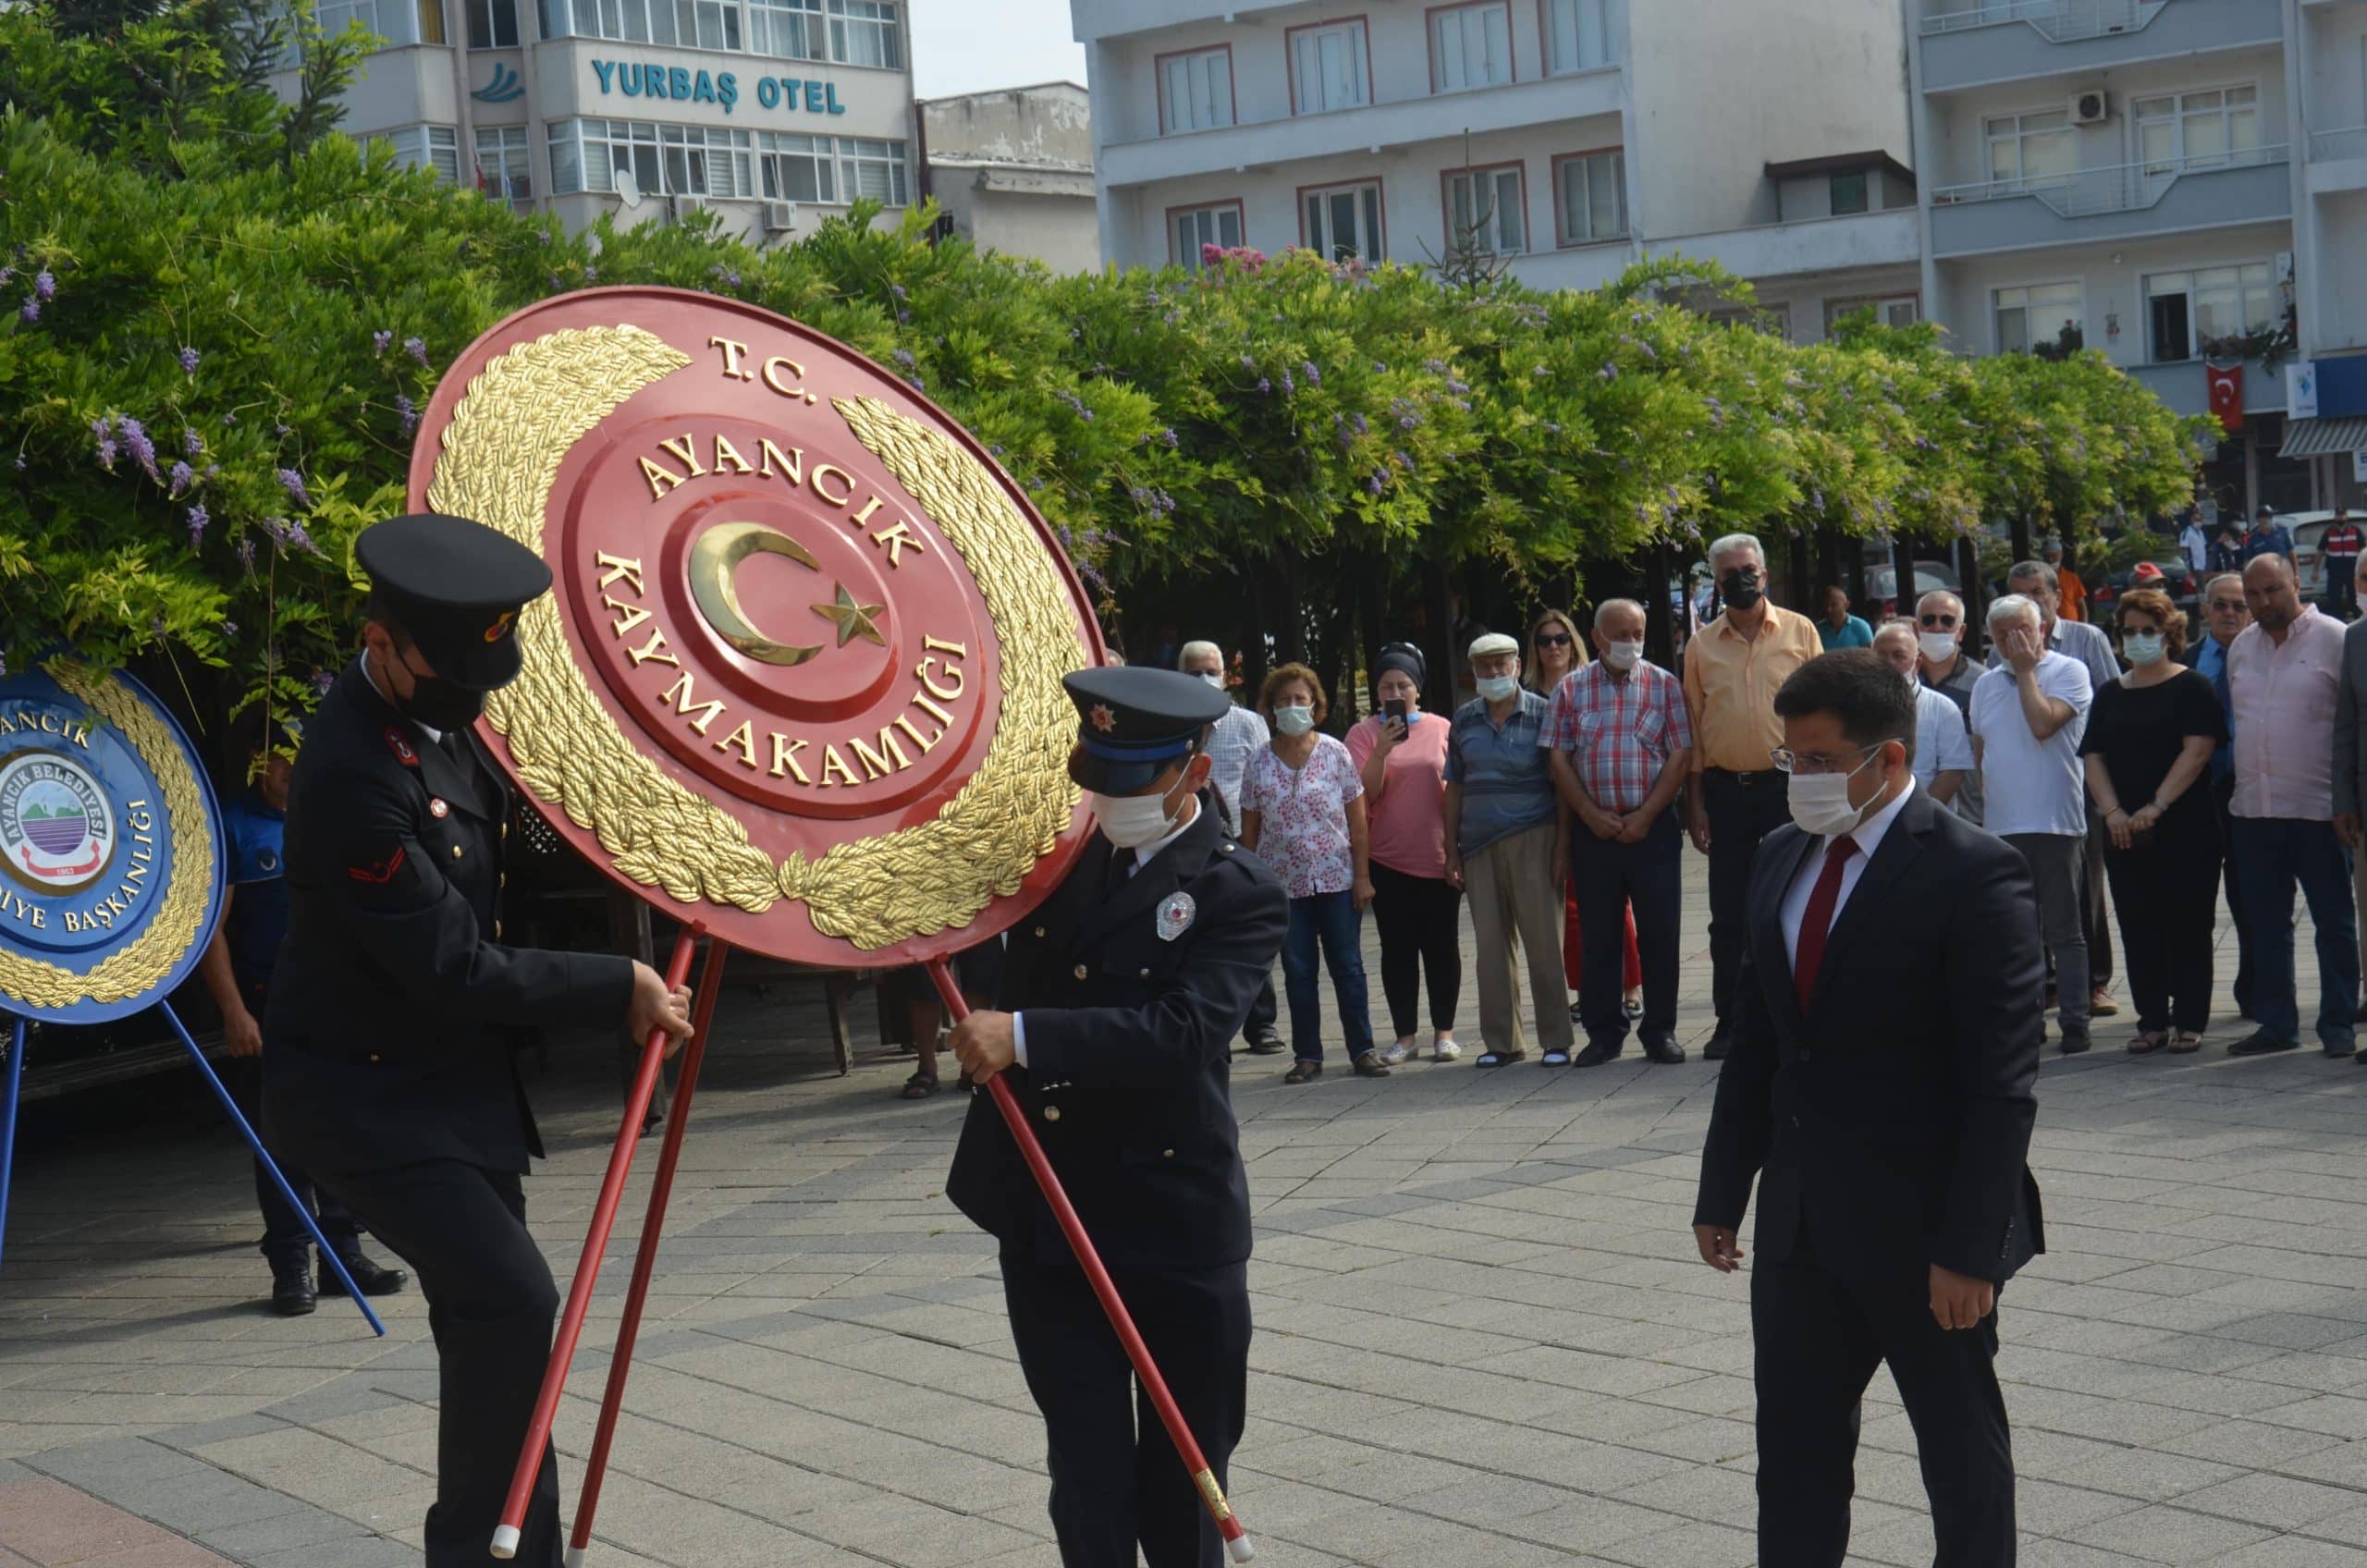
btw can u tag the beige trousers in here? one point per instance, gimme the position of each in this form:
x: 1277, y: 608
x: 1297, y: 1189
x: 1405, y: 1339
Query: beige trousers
x: 1514, y: 900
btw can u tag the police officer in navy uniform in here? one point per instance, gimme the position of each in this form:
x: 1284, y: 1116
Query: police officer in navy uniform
x: 385, y: 1074
x: 1122, y: 996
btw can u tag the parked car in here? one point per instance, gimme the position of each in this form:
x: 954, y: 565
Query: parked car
x: 2180, y: 580
x: 2309, y: 553
x: 1882, y: 584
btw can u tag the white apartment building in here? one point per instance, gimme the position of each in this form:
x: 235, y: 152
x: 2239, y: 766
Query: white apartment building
x: 770, y: 113
x: 2162, y: 180
x: 1571, y: 137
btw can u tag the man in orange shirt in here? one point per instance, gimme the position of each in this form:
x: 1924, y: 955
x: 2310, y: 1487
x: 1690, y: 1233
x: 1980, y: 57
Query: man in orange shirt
x: 2073, y: 592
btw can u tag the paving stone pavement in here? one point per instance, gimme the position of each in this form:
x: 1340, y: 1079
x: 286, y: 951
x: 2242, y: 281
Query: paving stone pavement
x: 1482, y: 1334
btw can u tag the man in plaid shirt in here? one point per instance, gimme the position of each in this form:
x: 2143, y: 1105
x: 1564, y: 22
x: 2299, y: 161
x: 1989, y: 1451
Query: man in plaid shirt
x: 1619, y: 741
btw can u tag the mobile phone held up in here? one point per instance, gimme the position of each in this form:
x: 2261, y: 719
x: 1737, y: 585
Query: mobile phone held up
x: 1395, y: 708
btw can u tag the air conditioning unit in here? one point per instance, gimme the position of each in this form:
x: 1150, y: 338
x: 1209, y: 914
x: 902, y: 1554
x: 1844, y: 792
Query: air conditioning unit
x: 2093, y: 107
x: 780, y: 217
x: 686, y: 204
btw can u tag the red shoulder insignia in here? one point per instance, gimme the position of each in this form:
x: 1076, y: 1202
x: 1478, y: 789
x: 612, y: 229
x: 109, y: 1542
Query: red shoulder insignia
x: 378, y: 870
x: 400, y: 744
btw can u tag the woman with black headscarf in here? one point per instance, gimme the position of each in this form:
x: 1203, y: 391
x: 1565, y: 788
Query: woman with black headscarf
x: 1400, y: 752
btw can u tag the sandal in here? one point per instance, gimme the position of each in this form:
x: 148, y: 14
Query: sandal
x: 920, y: 1086
x: 2186, y: 1040
x: 2146, y: 1041
x: 1303, y: 1072
x: 1557, y: 1058
x: 1498, y: 1059
x: 1369, y: 1065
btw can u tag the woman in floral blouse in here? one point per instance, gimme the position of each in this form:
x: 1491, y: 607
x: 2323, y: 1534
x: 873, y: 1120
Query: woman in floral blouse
x: 1303, y: 811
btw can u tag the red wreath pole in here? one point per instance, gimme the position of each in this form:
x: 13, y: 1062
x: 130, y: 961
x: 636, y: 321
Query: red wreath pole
x: 587, y: 1267
x: 644, y: 1264
x: 1237, y: 1540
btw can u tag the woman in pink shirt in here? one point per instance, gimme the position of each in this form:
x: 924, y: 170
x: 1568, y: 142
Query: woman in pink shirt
x: 1400, y: 754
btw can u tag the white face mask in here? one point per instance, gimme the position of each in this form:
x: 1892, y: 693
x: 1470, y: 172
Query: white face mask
x: 1621, y: 656
x: 1820, y: 801
x: 1938, y: 646
x: 1496, y: 688
x: 1132, y: 821
x: 2142, y: 647
x: 1295, y: 720
x: 1215, y: 680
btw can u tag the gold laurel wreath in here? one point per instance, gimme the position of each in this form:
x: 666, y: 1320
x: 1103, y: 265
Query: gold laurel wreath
x: 501, y: 453
x: 145, y: 962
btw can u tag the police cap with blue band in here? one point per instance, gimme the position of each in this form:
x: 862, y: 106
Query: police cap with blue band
x: 1135, y: 723
x: 457, y: 587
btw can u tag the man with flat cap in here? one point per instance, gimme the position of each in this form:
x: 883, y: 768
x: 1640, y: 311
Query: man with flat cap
x: 1121, y: 997
x: 385, y: 1076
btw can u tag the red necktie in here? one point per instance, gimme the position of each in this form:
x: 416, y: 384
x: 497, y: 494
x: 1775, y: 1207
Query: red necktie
x: 1818, y: 921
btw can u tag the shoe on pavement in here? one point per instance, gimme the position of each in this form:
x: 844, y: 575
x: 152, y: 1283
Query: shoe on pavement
x: 1397, y: 1053
x: 1445, y: 1050
x: 2101, y: 1005
x: 1720, y: 1043
x: 1668, y: 1053
x: 2074, y: 1042
x: 372, y: 1279
x: 2260, y: 1042
x: 1266, y: 1043
x: 1600, y: 1051
x: 2341, y: 1047
x: 291, y: 1291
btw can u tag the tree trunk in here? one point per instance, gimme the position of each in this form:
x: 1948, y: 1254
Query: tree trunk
x: 1901, y: 557
x: 1659, y: 624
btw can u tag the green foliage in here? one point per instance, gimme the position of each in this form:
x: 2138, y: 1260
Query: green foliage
x: 218, y: 323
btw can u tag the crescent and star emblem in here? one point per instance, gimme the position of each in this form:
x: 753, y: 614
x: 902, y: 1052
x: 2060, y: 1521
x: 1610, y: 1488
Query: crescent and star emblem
x: 715, y: 564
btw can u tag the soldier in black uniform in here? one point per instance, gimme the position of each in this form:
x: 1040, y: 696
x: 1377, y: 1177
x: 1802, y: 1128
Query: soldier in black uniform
x: 1124, y: 993
x: 385, y: 1074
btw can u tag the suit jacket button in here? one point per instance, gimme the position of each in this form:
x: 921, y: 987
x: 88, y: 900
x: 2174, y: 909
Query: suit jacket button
x: 496, y: 930
x: 1080, y: 972
x: 1229, y: 849
x: 1051, y: 1113
x: 1039, y: 930
x: 1796, y: 1124
x: 1145, y: 975
x: 456, y: 851
x: 1807, y: 1054
x: 374, y: 1056
x: 1167, y: 1154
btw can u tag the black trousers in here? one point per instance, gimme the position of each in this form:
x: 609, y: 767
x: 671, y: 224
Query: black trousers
x: 1116, y: 1479
x: 1646, y: 876
x: 2342, y: 586
x: 1420, y: 920
x: 491, y: 1303
x: 2092, y: 890
x: 1743, y: 808
x: 1819, y: 1331
x: 2165, y: 893
x: 2222, y: 794
x: 285, y: 1241
x: 1264, y: 1012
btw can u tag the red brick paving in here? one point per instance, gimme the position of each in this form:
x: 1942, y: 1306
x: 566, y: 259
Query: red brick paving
x: 46, y: 1524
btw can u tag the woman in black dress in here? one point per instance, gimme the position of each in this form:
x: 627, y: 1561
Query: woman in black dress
x: 2149, y: 739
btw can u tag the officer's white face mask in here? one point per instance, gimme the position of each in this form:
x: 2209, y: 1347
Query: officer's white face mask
x: 1132, y: 821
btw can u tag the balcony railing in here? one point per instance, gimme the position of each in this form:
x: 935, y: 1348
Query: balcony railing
x: 2116, y: 188
x: 2329, y: 146
x: 2060, y: 21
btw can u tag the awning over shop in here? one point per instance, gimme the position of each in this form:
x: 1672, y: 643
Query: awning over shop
x: 2324, y: 438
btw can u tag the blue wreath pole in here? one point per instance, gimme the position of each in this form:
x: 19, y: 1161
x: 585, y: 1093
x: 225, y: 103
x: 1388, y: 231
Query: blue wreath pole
x: 328, y: 1253
x: 8, y: 1115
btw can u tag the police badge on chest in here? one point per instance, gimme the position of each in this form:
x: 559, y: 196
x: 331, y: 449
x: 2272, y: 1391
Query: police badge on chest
x: 1175, y: 916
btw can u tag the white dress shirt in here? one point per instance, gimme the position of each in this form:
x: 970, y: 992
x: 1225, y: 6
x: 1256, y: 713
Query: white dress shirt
x: 1142, y: 858
x: 1868, y: 834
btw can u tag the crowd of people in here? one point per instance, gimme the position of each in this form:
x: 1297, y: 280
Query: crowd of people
x: 2170, y: 764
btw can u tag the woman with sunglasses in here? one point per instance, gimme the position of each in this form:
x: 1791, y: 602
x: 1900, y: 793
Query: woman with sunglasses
x: 1555, y: 652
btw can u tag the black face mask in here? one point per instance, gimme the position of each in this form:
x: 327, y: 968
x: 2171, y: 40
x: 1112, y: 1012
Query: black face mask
x: 437, y: 703
x: 1740, y: 588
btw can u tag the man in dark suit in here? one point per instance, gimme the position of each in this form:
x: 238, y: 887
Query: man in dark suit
x: 1888, y: 1133
x: 1121, y: 997
x: 385, y: 1073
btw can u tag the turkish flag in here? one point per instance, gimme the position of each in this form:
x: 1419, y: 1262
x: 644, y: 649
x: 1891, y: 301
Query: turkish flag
x: 2228, y: 396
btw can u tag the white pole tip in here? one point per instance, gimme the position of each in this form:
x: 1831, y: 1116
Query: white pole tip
x: 576, y: 1557
x: 1239, y: 1548
x: 505, y: 1541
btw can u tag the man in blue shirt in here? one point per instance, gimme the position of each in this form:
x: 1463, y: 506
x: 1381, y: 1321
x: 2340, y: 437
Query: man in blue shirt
x: 2225, y: 613
x: 1839, y: 629
x: 237, y: 969
x: 2268, y: 536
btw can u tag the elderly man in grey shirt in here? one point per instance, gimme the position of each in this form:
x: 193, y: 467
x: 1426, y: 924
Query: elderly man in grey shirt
x: 2092, y: 645
x: 1235, y: 736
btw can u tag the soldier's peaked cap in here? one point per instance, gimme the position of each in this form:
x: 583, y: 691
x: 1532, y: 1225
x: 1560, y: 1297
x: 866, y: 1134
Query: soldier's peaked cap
x: 1135, y: 723
x: 457, y: 587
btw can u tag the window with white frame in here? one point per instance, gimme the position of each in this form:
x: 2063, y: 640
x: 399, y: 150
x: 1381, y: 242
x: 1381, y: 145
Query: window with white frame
x: 1591, y: 191
x: 670, y: 160
x: 791, y: 30
x: 2041, y: 318
x: 397, y: 22
x: 493, y: 24
x: 866, y: 32
x: 2188, y: 310
x: 505, y: 167
x: 2033, y: 150
x: 797, y: 168
x: 1189, y: 228
x: 1890, y: 309
x: 1774, y: 320
x: 1471, y: 46
x: 692, y: 24
x: 1577, y: 35
x: 1330, y: 69
x: 2205, y: 129
x: 435, y: 147
x: 1342, y: 222
x: 872, y: 168
x: 1484, y: 211
x: 1196, y: 91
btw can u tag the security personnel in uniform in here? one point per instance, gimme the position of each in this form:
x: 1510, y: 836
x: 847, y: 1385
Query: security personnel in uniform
x: 385, y: 1075
x: 1124, y: 993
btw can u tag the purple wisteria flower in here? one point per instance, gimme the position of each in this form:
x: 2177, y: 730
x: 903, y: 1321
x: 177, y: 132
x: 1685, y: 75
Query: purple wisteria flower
x: 29, y: 310
x: 1289, y: 388
x: 1167, y: 435
x: 22, y: 464
x: 104, y: 429
x: 44, y: 286
x: 8, y: 276
x: 379, y: 339
x: 904, y: 358
x: 322, y: 682
x: 417, y: 347
x: 1264, y: 385
x: 197, y: 520
x: 896, y: 289
x: 189, y: 360
x: 192, y: 443
x: 247, y: 552
x: 229, y: 629
x: 180, y: 477
x: 1314, y: 376
x: 407, y: 413
x: 136, y: 442
x: 293, y: 483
